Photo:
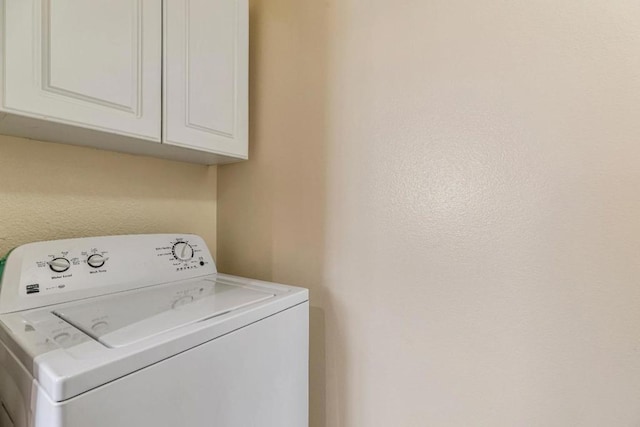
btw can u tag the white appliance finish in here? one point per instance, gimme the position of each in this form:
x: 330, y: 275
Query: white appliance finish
x: 91, y: 73
x: 142, y: 331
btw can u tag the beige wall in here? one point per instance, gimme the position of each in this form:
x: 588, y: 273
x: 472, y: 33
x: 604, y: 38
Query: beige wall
x: 458, y: 182
x: 52, y: 191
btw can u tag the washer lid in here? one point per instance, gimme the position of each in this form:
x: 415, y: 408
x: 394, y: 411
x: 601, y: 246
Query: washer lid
x: 123, y: 319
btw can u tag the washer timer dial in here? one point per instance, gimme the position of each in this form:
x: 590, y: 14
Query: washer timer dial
x: 182, y: 251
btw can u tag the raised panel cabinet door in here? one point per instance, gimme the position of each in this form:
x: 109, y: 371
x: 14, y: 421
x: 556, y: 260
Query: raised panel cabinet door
x: 206, y: 75
x: 95, y: 64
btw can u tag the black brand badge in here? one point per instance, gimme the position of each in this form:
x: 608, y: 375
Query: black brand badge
x: 33, y: 289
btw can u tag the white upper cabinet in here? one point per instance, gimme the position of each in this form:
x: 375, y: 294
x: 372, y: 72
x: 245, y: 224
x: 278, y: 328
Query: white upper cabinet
x: 94, y: 64
x: 160, y: 78
x: 206, y: 74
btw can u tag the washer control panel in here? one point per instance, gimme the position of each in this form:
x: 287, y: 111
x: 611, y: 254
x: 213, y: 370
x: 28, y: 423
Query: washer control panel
x: 44, y: 273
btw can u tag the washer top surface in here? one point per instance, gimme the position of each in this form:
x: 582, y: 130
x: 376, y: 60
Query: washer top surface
x: 122, y: 319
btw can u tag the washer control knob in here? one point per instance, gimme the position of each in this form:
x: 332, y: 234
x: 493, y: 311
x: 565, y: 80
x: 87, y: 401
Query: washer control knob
x: 96, y: 260
x: 182, y: 251
x: 59, y: 265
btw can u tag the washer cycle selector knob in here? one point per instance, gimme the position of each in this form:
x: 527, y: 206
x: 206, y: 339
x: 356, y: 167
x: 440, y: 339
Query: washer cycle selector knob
x: 59, y: 265
x: 96, y: 260
x: 182, y: 251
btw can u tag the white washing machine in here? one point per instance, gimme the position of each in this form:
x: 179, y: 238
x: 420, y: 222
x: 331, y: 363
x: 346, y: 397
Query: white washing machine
x: 142, y: 331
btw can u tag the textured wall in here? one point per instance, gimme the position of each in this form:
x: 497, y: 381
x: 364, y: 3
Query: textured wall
x: 458, y: 184
x: 53, y: 191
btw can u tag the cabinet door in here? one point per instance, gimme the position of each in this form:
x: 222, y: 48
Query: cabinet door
x: 95, y: 64
x: 205, y: 75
